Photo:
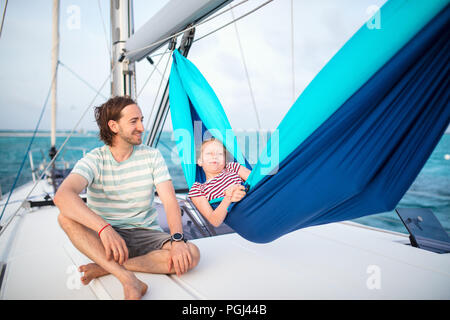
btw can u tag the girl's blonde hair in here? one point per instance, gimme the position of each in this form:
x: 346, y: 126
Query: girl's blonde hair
x: 212, y: 139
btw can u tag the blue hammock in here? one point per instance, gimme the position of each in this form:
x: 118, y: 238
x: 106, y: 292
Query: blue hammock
x: 348, y: 153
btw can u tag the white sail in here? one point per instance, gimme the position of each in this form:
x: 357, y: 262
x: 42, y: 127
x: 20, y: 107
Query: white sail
x: 172, y: 18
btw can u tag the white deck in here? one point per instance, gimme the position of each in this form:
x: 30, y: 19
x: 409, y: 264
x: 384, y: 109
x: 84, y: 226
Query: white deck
x: 334, y: 261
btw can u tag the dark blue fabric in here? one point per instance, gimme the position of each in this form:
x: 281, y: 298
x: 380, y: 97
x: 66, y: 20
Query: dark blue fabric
x: 363, y: 159
x: 199, y: 173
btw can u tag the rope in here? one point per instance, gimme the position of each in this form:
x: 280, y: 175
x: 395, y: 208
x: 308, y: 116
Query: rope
x: 246, y: 73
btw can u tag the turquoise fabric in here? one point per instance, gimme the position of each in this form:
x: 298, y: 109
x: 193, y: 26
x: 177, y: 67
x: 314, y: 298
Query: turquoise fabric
x: 182, y: 125
x: 189, y: 89
x: 364, y: 54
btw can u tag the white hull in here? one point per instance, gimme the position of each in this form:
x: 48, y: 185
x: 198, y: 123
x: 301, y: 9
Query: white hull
x: 335, y: 261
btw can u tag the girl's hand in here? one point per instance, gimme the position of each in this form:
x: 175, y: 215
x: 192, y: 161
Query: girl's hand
x: 235, y: 192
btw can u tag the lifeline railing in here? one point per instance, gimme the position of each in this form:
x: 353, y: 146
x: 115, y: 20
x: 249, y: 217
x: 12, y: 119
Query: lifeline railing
x: 62, y: 162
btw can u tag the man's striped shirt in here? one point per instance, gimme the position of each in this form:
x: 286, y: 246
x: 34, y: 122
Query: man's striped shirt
x: 215, y: 187
x: 122, y: 193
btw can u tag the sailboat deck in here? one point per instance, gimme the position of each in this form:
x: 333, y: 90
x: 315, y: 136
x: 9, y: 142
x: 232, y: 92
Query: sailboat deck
x: 334, y: 261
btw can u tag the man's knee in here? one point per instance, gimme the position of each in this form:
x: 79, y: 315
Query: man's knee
x: 64, y: 222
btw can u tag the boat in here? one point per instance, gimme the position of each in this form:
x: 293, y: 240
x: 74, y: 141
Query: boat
x: 339, y: 260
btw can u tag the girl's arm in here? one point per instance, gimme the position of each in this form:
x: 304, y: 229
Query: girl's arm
x: 243, y: 173
x: 233, y: 194
x: 215, y: 217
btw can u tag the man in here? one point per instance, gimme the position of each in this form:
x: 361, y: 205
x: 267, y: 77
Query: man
x: 118, y: 228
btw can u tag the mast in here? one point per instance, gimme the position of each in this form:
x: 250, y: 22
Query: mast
x: 122, y: 27
x: 173, y: 18
x: 55, y: 58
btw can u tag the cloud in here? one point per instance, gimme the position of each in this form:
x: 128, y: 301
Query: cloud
x: 320, y: 29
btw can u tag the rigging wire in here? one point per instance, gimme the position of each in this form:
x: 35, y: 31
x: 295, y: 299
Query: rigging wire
x: 198, y: 24
x: 3, y: 17
x: 108, y: 44
x: 157, y: 94
x: 292, y: 51
x: 155, y: 68
x: 246, y: 73
x: 3, y: 228
x: 31, y: 142
x: 239, y: 18
x: 80, y: 78
x: 183, y: 31
x: 157, y: 55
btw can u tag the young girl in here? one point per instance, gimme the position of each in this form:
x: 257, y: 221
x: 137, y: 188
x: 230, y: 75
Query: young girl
x: 222, y: 180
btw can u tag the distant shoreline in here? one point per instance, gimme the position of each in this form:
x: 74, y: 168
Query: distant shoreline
x: 46, y: 134
x: 29, y: 133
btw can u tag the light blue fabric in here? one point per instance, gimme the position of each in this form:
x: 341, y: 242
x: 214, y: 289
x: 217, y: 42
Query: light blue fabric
x: 188, y: 86
x: 182, y: 125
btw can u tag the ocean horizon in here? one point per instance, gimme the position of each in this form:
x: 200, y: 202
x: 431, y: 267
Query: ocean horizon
x: 431, y: 188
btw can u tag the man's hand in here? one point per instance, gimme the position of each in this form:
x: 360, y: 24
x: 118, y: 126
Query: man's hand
x: 114, y: 245
x: 180, y: 257
x: 235, y: 192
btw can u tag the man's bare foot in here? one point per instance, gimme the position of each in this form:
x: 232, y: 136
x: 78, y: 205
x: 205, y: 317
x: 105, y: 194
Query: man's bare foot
x: 134, y: 290
x: 91, y: 271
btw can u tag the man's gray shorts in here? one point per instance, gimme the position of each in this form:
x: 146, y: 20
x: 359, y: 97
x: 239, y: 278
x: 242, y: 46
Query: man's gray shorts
x: 141, y: 241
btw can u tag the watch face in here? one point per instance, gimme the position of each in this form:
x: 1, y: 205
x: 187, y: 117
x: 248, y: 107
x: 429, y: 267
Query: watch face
x: 177, y: 236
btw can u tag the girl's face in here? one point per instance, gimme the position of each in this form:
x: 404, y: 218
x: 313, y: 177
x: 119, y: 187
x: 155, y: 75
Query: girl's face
x: 212, y: 157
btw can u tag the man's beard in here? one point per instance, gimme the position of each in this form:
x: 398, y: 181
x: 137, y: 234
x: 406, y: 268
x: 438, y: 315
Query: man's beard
x: 131, y: 139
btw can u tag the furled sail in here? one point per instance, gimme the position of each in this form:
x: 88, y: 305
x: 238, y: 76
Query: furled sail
x: 175, y: 16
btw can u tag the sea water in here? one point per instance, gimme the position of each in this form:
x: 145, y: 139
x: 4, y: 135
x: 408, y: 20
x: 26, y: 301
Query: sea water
x: 431, y: 189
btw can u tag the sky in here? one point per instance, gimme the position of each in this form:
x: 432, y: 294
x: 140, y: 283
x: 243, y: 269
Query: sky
x: 320, y: 28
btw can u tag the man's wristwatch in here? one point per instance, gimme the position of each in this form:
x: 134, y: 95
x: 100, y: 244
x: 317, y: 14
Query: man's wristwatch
x: 177, y: 237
